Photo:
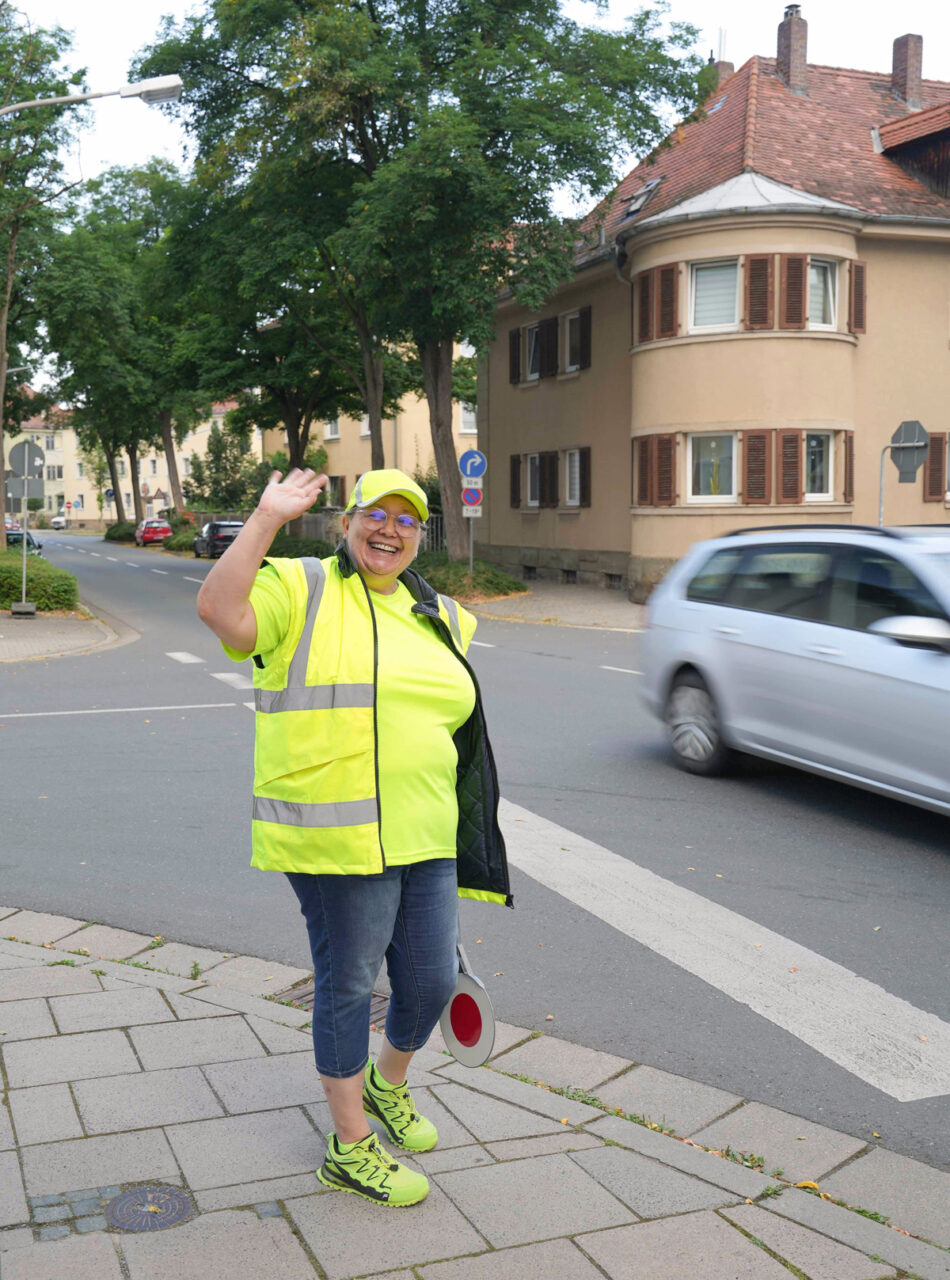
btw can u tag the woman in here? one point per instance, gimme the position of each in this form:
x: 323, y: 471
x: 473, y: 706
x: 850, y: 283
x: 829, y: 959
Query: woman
x: 374, y: 790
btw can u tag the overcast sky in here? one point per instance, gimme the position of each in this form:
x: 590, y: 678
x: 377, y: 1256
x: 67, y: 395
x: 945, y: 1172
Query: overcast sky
x: 108, y: 33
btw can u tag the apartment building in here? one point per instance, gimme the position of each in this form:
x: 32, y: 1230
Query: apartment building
x: 759, y: 306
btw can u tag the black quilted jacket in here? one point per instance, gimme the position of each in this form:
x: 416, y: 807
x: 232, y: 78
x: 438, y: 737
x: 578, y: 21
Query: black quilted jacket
x: 480, y: 846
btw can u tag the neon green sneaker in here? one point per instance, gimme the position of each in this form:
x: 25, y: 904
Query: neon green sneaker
x: 393, y: 1107
x: 371, y: 1172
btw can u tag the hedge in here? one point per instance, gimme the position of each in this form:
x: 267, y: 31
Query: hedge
x: 46, y: 585
x: 451, y: 577
x: 121, y: 531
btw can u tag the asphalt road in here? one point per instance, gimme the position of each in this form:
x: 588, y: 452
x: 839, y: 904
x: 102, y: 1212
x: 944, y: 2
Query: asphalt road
x: 138, y: 816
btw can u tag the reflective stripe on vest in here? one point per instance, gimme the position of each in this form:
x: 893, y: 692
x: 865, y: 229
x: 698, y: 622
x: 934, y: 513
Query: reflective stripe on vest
x: 342, y: 813
x: 452, y: 609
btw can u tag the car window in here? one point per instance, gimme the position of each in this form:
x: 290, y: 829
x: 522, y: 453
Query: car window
x: 712, y: 580
x: 788, y: 580
x: 871, y: 584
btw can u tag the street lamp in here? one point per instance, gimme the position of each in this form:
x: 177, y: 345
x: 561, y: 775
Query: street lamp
x: 157, y: 89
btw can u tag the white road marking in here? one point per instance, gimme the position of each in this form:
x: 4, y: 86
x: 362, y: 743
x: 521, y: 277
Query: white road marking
x: 250, y: 706
x: 165, y: 571
x: 483, y: 644
x: 181, y: 656
x: 233, y: 678
x: 200, y: 581
x: 114, y: 559
x: 108, y: 711
x: 627, y: 671
x: 131, y: 564
x: 878, y: 1037
x: 96, y: 554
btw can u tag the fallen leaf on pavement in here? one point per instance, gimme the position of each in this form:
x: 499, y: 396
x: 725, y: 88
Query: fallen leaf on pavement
x: 549, y: 1018
x: 811, y: 1186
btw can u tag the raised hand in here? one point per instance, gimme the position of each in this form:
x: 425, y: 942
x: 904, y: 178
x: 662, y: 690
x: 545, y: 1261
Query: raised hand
x: 286, y: 499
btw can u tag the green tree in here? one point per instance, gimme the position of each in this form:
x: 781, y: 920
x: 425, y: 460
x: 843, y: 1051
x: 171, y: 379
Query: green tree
x: 31, y: 183
x: 446, y: 127
x: 96, y: 467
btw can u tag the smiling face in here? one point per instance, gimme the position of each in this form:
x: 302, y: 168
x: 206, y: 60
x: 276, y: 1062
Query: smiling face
x: 381, y: 554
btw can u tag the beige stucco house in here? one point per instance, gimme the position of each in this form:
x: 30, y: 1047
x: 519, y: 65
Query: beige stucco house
x: 752, y: 315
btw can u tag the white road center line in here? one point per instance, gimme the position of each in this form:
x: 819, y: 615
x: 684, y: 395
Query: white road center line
x: 164, y: 571
x: 627, y: 671
x: 96, y: 554
x: 250, y: 706
x: 131, y: 564
x: 181, y: 656
x: 108, y: 711
x: 200, y: 581
x: 233, y: 678
x: 878, y: 1037
x: 483, y: 644
x: 114, y: 559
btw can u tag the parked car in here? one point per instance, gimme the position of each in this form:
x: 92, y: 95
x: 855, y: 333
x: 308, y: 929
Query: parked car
x: 823, y: 647
x: 149, y: 531
x: 15, y: 542
x: 57, y: 522
x: 215, y: 537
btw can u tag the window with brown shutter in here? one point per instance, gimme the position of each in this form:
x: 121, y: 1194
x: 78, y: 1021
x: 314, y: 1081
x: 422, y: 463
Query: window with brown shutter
x: 789, y: 466
x: 666, y: 291
x: 645, y: 307
x: 857, y: 298
x: 643, y: 447
x: 547, y: 347
x: 548, y: 479
x: 757, y: 466
x: 664, y: 471
x: 515, y: 482
x: 514, y: 355
x: 792, y: 312
x: 584, y: 476
x: 759, y: 291
x: 584, y: 316
x: 848, y: 493
x: 935, y: 468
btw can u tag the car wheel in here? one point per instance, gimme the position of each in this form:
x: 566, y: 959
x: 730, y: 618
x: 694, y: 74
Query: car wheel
x: 692, y: 722
x: 197, y: 553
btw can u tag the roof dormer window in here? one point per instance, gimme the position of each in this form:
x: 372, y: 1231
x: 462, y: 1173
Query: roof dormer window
x: 640, y: 198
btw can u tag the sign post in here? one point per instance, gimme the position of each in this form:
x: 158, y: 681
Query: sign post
x: 472, y: 465
x: 909, y: 447
x: 26, y: 461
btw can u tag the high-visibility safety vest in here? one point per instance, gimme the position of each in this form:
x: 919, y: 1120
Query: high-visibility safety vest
x: 316, y: 780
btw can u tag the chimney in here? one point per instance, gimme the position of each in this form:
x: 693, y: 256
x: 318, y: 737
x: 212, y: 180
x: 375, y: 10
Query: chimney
x: 905, y: 73
x: 723, y: 71
x: 791, y: 62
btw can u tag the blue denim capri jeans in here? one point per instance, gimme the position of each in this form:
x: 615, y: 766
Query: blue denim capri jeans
x: 409, y: 914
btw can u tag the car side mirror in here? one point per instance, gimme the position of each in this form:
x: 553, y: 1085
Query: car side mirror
x: 921, y: 633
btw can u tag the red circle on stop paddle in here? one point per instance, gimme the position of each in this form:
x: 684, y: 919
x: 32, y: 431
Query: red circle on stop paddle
x: 466, y: 1020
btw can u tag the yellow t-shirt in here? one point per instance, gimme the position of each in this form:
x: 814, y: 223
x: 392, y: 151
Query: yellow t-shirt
x: 423, y: 694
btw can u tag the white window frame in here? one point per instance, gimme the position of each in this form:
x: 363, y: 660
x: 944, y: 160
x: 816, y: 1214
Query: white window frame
x: 467, y: 426
x: 694, y: 268
x: 78, y: 502
x: 532, y: 332
x: 331, y: 429
x: 80, y: 470
x: 127, y: 501
x: 153, y: 463
x: 569, y: 319
x: 186, y: 465
x: 121, y: 466
x: 832, y: 268
x: 50, y: 443
x: 829, y: 493
x: 530, y: 458
x: 711, y: 499
x: 364, y: 427
x: 572, y: 492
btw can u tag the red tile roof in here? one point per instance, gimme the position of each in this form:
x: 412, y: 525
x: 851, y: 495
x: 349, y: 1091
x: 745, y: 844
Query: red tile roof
x: 920, y: 125
x: 820, y: 143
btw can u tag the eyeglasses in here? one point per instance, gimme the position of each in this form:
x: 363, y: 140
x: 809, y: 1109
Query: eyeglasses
x: 406, y: 526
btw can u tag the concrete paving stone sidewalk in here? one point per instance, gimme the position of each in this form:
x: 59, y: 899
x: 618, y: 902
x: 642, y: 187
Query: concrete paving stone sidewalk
x: 116, y: 1079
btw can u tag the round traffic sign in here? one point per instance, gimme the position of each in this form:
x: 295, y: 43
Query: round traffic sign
x: 468, y: 1022
x: 473, y: 463
x: 471, y: 497
x: 69, y: 506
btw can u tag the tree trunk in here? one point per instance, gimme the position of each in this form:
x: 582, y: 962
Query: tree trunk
x: 373, y: 374
x: 436, y: 359
x: 296, y: 446
x: 171, y: 462
x: 4, y: 363
x: 114, y: 474
x: 133, y: 452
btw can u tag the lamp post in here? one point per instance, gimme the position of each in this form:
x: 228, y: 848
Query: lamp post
x: 156, y: 90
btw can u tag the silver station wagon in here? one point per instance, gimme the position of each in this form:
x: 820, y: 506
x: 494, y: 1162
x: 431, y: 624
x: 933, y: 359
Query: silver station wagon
x: 823, y: 647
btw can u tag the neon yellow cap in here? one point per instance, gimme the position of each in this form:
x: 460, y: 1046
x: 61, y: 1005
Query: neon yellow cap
x: 373, y: 485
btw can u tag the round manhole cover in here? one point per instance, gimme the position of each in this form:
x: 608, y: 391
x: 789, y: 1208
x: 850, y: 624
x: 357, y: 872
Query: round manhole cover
x: 149, y: 1209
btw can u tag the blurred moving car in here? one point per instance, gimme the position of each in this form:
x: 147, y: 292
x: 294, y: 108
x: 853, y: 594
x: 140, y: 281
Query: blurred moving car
x: 57, y: 522
x: 823, y: 647
x: 10, y: 523
x: 215, y: 537
x: 148, y: 531
x: 15, y: 542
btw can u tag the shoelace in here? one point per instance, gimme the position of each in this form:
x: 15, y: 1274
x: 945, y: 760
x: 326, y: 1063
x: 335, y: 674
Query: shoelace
x: 374, y: 1152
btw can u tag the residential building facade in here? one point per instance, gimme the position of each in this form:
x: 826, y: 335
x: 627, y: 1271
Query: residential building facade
x: 760, y: 306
